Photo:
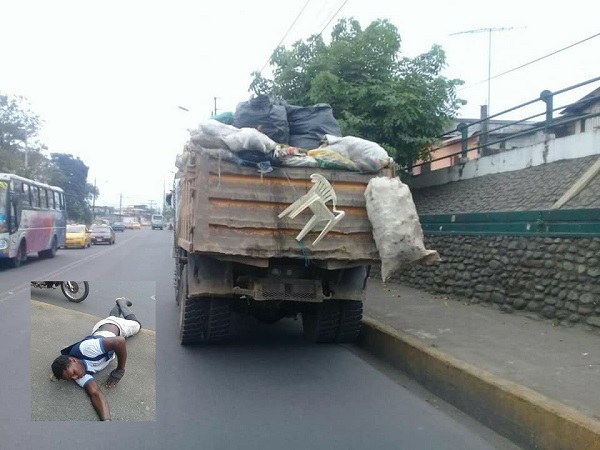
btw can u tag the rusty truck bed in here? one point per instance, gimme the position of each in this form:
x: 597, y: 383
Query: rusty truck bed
x: 230, y: 212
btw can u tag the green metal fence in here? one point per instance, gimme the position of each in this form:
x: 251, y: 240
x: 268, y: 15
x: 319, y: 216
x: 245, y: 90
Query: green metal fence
x: 550, y: 223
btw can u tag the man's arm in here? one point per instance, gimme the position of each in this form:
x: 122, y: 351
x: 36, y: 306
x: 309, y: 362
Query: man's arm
x: 98, y: 399
x: 116, y: 344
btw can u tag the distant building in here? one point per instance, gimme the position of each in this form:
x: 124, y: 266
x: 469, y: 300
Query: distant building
x: 580, y: 116
x: 501, y: 135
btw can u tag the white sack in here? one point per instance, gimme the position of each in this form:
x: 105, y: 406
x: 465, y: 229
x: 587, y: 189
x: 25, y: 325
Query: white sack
x: 396, y: 228
x: 216, y: 128
x: 210, y: 134
x: 207, y: 140
x: 249, y: 139
x: 367, y: 155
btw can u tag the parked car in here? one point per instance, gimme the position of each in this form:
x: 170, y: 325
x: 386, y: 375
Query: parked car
x: 78, y: 236
x: 136, y: 226
x: 118, y: 226
x: 103, y: 234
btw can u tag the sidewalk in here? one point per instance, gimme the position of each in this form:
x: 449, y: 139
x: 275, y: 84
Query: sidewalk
x: 534, y: 383
x: 133, y: 399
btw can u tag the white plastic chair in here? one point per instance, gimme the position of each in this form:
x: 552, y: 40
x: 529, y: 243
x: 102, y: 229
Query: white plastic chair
x: 316, y: 199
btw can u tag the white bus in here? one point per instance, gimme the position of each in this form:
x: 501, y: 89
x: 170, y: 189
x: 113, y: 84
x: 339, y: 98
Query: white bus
x: 33, y: 219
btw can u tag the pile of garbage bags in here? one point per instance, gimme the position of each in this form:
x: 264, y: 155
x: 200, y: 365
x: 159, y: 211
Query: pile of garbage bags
x: 267, y: 133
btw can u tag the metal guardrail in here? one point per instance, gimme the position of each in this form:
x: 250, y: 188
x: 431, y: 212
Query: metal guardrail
x: 542, y: 223
x: 547, y: 125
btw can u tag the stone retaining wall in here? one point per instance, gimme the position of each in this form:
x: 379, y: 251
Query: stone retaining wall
x: 554, y: 278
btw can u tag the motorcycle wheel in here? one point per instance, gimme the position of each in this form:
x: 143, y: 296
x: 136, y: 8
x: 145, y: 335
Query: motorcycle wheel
x: 75, y: 291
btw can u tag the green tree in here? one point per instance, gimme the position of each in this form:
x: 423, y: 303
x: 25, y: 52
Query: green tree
x: 19, y: 128
x: 71, y: 174
x: 401, y: 103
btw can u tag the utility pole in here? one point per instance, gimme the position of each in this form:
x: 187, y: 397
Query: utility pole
x: 121, y: 207
x: 26, y: 155
x: 215, y: 112
x: 164, y: 201
x: 489, y: 31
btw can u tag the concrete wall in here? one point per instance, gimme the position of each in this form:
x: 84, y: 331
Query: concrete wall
x: 575, y: 146
x: 554, y: 279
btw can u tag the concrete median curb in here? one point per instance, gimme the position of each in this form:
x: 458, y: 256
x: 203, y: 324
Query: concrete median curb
x: 83, y: 315
x: 514, y: 411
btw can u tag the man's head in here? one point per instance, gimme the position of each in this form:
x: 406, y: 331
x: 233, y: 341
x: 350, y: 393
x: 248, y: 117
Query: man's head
x: 68, y: 368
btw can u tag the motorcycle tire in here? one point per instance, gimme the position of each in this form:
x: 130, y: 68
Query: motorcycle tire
x: 76, y: 292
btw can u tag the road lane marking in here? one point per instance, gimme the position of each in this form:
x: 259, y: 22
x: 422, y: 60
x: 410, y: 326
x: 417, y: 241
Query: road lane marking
x: 15, y: 290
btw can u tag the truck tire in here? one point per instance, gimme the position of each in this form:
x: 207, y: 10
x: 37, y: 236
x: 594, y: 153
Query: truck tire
x: 350, y: 320
x: 202, y: 320
x: 322, y: 325
x: 192, y: 314
x: 218, y: 323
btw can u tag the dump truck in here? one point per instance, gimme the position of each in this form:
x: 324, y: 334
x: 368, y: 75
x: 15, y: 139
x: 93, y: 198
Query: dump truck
x: 235, y: 256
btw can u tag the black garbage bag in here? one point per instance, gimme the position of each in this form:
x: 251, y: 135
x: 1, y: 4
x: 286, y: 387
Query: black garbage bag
x: 308, y: 125
x: 253, y: 157
x: 265, y: 114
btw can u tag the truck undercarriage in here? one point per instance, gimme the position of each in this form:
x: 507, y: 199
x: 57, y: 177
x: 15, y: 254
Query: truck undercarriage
x: 215, y: 295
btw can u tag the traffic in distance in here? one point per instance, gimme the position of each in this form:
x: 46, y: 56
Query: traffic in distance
x: 34, y: 221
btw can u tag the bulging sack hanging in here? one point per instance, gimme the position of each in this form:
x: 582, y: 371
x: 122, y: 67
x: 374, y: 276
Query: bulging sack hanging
x: 396, y: 228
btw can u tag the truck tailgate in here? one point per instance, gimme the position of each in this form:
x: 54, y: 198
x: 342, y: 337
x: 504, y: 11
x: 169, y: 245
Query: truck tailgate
x: 230, y: 211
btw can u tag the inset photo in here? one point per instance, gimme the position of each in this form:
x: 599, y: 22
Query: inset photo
x: 93, y: 351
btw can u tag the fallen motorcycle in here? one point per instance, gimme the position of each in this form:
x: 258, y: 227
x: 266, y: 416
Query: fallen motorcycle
x: 75, y: 291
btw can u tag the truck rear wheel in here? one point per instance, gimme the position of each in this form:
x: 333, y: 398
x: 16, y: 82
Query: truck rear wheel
x: 350, y: 320
x: 333, y: 321
x: 321, y: 325
x: 192, y: 314
x: 218, y: 323
x: 202, y: 320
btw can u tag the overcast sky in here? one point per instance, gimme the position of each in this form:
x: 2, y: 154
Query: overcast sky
x: 107, y: 77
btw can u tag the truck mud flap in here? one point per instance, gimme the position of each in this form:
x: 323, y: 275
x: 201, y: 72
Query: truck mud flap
x: 350, y: 285
x: 209, y: 277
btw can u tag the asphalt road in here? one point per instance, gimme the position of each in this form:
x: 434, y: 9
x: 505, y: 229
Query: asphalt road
x: 270, y: 390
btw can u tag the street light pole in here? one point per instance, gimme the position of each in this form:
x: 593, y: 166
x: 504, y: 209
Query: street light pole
x: 94, y: 202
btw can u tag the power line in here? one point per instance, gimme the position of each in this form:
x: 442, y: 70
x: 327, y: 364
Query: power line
x: 333, y: 17
x: 286, y: 33
x: 530, y: 62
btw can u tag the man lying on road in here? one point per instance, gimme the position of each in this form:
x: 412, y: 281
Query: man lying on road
x: 81, y: 360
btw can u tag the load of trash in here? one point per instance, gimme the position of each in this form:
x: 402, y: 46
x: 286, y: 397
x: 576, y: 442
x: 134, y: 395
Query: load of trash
x: 267, y: 133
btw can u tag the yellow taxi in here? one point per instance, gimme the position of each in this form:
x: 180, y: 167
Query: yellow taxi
x: 78, y: 236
